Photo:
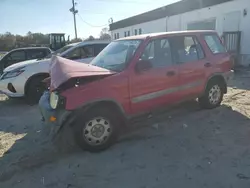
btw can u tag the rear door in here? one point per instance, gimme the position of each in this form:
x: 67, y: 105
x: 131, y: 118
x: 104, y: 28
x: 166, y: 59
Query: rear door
x: 156, y: 86
x: 191, y: 60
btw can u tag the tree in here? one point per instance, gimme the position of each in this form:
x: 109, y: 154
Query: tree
x: 90, y: 38
x: 76, y: 40
x: 104, y: 35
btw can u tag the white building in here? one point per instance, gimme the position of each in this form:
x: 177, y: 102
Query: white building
x: 221, y: 15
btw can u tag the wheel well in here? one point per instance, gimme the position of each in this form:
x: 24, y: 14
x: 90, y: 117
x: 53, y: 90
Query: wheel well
x: 109, y: 105
x: 43, y: 75
x: 220, y: 79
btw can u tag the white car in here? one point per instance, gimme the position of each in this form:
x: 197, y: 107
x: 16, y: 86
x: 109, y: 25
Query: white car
x: 24, y: 79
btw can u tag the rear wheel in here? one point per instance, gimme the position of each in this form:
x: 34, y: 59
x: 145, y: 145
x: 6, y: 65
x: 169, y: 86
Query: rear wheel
x: 97, y: 130
x: 35, y: 89
x: 213, y: 95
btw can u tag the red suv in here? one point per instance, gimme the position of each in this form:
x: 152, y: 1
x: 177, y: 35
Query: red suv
x: 133, y: 76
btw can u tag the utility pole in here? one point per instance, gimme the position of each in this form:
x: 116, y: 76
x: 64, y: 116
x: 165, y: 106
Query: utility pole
x: 74, y: 11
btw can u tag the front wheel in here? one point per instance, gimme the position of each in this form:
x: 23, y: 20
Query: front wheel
x: 213, y: 95
x: 35, y: 89
x: 97, y: 130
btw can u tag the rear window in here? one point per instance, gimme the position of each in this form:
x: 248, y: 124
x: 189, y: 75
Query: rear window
x: 214, y: 44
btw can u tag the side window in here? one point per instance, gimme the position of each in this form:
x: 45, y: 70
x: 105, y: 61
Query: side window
x: 17, y: 56
x: 35, y: 54
x: 214, y: 44
x: 140, y: 31
x: 47, y: 52
x: 185, y: 49
x: 199, y: 49
x: 73, y: 54
x: 87, y: 51
x: 99, y: 48
x: 159, y: 53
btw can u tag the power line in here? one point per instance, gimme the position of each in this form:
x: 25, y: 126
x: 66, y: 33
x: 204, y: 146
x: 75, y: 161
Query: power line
x: 91, y: 25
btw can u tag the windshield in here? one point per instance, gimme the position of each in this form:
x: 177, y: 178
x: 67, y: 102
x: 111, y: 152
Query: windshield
x: 116, y: 55
x: 59, y: 51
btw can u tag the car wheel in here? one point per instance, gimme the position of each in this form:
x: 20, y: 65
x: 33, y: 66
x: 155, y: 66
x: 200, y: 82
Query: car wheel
x: 213, y: 95
x: 97, y: 130
x: 35, y: 89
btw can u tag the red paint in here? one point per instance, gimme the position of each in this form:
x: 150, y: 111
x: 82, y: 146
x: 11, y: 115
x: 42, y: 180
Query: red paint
x: 125, y: 86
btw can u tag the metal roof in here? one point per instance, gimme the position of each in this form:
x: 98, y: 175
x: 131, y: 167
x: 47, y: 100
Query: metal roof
x: 169, y: 10
x: 150, y: 35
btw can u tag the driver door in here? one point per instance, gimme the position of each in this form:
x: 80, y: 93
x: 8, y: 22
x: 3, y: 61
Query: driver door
x: 155, y: 87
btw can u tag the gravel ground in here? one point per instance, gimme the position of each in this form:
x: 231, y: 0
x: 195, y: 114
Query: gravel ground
x: 185, y: 147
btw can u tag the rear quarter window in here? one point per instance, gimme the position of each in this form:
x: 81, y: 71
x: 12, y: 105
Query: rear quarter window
x: 214, y: 44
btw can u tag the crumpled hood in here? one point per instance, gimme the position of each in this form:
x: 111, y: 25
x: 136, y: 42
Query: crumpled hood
x: 25, y: 63
x: 62, y: 70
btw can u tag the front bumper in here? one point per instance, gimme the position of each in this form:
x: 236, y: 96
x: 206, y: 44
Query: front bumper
x: 17, y: 83
x: 50, y: 116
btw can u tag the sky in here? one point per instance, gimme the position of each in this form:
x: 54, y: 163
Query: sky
x: 53, y: 16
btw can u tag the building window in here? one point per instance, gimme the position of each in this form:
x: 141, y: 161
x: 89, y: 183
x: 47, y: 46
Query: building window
x: 140, y: 32
x: 128, y: 33
x: 125, y: 34
x: 115, y: 36
x: 135, y: 31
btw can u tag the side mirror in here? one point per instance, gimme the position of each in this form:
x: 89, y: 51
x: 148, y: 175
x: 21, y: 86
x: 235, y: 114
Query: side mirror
x: 143, y: 65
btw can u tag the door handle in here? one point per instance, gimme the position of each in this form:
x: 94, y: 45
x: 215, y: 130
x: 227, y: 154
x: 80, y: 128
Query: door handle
x: 170, y: 73
x: 208, y: 64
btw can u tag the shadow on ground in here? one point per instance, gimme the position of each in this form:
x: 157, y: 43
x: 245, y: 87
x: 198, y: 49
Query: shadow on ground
x: 177, y: 135
x: 186, y: 146
x: 241, y: 80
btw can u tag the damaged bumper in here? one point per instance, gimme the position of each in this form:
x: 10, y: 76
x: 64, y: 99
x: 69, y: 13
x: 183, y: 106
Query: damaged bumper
x: 55, y: 118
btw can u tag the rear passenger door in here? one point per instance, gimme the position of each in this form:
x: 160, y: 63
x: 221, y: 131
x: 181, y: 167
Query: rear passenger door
x: 190, y: 58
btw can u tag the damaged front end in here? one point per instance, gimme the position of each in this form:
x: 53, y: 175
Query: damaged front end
x: 64, y: 75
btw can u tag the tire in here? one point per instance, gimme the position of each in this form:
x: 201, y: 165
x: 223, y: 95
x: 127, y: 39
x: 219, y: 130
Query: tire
x: 35, y: 89
x: 213, y: 95
x: 97, y: 130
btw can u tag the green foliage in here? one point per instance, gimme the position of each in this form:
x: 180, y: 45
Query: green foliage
x: 9, y: 41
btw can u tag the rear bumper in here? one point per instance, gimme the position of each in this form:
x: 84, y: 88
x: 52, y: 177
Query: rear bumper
x: 228, y: 76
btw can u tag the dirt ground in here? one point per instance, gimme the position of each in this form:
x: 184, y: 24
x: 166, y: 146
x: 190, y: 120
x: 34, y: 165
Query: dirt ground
x: 186, y: 147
